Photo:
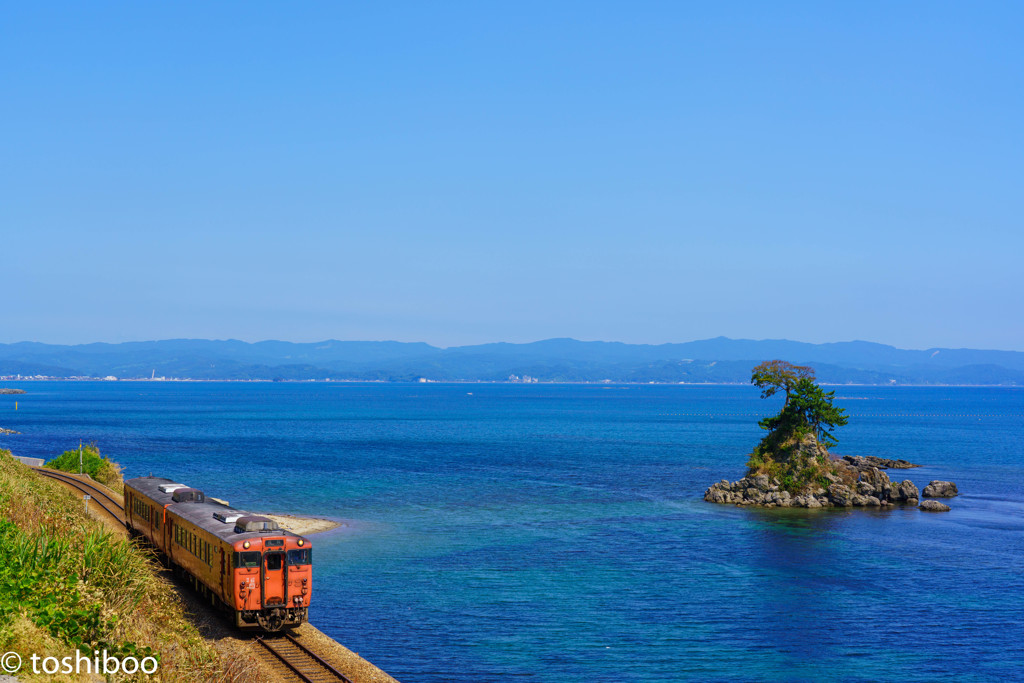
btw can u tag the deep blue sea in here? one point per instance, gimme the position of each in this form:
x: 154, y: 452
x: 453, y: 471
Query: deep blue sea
x: 558, y: 532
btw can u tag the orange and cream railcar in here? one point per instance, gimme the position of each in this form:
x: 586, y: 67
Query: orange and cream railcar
x: 243, y: 563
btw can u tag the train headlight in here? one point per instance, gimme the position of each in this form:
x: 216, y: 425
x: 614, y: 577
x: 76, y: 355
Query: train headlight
x: 301, y: 543
x: 246, y: 544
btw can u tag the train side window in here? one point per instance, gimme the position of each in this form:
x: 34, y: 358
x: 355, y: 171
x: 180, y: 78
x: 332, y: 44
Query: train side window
x: 247, y: 559
x: 304, y: 556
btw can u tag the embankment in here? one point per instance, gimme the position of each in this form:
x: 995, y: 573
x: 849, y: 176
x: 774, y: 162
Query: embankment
x: 67, y: 582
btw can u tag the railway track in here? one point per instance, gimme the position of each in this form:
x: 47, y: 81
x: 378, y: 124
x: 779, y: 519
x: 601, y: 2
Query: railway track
x: 112, y: 506
x: 300, y: 661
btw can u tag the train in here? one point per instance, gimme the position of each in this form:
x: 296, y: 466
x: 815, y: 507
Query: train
x: 258, y: 573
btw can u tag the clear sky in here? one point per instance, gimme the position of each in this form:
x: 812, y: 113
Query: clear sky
x: 466, y: 172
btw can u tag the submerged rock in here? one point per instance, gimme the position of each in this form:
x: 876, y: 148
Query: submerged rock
x: 940, y: 489
x: 934, y: 506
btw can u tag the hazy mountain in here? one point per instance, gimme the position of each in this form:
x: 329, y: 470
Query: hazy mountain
x: 568, y: 360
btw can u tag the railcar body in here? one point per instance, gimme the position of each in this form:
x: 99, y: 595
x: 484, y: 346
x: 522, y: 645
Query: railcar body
x: 243, y: 563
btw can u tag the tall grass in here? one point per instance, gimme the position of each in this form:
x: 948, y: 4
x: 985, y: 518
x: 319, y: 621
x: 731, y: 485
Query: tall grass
x: 67, y: 582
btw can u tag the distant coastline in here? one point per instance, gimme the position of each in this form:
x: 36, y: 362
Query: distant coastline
x: 718, y: 361
x: 181, y: 380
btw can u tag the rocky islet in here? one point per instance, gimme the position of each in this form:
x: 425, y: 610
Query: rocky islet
x: 855, y: 481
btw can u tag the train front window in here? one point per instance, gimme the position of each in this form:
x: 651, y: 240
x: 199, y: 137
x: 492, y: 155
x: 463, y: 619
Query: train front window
x: 247, y: 560
x: 274, y: 561
x: 304, y: 556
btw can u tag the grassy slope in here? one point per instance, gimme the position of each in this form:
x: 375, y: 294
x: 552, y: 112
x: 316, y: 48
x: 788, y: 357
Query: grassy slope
x: 67, y: 582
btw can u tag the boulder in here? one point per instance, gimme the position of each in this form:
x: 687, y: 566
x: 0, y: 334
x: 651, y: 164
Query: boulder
x: 865, y: 489
x: 903, y: 492
x: 715, y: 495
x: 940, y: 489
x: 840, y: 495
x: 934, y: 506
x: 875, y: 478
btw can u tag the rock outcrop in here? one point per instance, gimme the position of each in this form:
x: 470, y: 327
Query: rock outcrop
x: 934, y: 506
x: 850, y: 485
x: 880, y: 463
x: 8, y: 431
x: 940, y: 489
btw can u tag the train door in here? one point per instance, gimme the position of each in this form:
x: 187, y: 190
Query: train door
x: 168, y: 536
x: 275, y: 578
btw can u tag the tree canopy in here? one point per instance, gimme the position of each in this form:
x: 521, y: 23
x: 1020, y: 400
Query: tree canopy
x: 808, y: 409
x: 773, y: 375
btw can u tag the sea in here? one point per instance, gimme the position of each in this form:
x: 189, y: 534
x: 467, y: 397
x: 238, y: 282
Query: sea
x: 558, y: 533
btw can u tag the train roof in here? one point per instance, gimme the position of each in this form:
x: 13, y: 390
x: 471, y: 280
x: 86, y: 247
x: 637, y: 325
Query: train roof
x: 221, y: 520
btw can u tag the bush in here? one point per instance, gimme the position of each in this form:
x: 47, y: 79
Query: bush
x: 101, y: 469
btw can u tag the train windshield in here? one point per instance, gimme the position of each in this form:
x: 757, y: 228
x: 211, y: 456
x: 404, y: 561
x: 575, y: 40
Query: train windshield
x: 247, y: 559
x: 304, y: 556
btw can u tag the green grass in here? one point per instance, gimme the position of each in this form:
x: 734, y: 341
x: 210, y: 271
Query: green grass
x: 67, y: 582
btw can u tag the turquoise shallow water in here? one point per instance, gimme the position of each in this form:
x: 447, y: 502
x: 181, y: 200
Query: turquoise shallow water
x: 557, y: 533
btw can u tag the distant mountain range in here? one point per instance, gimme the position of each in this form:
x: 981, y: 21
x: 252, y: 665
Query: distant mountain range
x: 552, y: 360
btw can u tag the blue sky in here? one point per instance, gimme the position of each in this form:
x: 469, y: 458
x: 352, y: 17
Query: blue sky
x: 459, y: 173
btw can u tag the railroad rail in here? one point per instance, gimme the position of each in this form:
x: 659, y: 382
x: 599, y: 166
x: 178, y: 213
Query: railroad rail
x: 300, y: 660
x: 113, y: 508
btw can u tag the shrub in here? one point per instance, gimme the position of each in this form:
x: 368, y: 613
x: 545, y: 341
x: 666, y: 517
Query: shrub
x: 100, y: 468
